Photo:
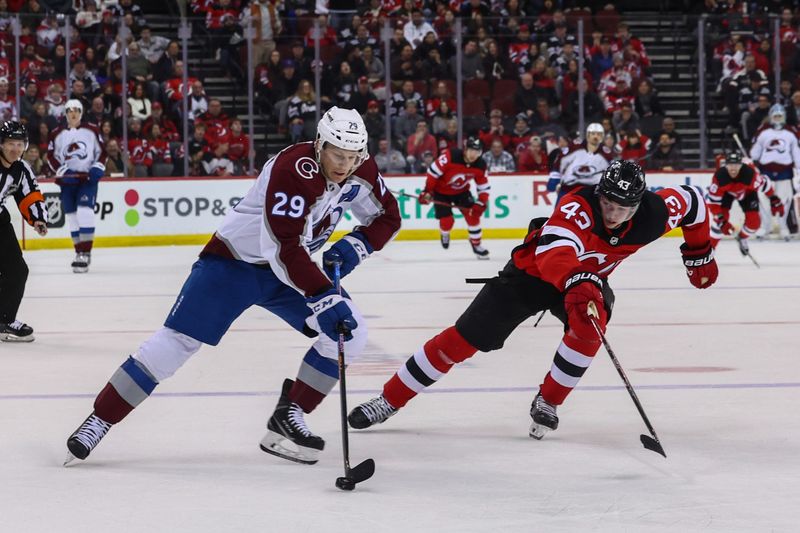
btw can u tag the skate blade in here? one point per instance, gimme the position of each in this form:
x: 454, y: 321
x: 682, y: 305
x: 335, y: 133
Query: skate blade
x: 80, y: 270
x: 538, y: 431
x: 273, y: 443
x: 69, y: 460
x: 9, y: 337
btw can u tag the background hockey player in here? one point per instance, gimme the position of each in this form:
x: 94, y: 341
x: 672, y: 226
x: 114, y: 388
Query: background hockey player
x: 17, y: 179
x: 261, y: 255
x: 448, y: 182
x: 582, y: 163
x: 742, y: 183
x: 562, y: 266
x: 776, y: 152
x: 77, y: 158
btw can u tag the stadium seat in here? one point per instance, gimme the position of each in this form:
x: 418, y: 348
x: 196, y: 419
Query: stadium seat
x: 476, y: 89
x: 504, y: 89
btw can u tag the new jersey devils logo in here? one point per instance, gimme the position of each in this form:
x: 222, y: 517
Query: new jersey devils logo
x: 76, y: 150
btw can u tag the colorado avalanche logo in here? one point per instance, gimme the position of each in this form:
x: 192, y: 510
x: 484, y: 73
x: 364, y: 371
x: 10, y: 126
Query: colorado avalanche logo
x: 76, y: 150
x: 777, y: 145
x: 306, y: 167
x: 585, y: 171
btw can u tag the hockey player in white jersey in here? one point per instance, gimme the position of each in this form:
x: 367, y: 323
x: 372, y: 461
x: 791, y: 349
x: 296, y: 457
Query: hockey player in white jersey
x: 261, y: 256
x: 581, y: 163
x: 77, y: 158
x: 777, y: 155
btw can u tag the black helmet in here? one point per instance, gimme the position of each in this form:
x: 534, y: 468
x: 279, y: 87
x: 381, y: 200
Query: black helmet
x: 474, y: 143
x: 11, y: 129
x: 733, y: 157
x: 623, y: 183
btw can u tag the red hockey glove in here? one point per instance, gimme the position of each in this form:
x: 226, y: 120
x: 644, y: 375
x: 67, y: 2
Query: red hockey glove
x: 777, y: 206
x: 725, y: 227
x: 477, y: 209
x: 701, y: 267
x: 580, y: 289
x: 425, y: 198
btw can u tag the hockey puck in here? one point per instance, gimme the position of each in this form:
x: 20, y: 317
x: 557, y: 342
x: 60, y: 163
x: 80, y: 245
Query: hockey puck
x: 344, y: 483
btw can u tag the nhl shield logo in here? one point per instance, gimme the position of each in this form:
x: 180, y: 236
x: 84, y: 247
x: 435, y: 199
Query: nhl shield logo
x: 55, y: 214
x: 613, y: 241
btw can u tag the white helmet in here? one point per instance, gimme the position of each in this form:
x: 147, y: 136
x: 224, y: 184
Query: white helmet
x: 777, y: 116
x: 74, y: 103
x: 595, y: 127
x: 345, y: 129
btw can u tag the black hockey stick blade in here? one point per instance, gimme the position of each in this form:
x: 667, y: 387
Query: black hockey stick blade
x: 477, y: 280
x: 362, y: 471
x: 652, y: 444
x: 753, y: 259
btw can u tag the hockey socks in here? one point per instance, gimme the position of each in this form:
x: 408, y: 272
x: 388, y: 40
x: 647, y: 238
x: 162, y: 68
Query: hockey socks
x: 572, y: 359
x: 130, y: 385
x: 427, y: 366
x: 315, y: 379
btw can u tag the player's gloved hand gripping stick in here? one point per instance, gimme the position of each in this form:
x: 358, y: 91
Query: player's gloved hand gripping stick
x: 650, y: 442
x: 364, y: 470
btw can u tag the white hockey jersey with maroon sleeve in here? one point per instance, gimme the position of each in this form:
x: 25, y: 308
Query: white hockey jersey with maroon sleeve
x: 292, y: 210
x: 574, y: 239
x: 76, y: 149
x: 577, y: 166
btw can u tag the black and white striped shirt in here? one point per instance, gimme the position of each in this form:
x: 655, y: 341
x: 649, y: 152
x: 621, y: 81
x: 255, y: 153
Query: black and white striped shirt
x: 19, y: 181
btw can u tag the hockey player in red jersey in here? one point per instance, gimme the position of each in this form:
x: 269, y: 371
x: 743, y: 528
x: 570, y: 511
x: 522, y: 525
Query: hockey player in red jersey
x: 562, y: 266
x: 261, y: 256
x: 736, y: 181
x: 448, y: 182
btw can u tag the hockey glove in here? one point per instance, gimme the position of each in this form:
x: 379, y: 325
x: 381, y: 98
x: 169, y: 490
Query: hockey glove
x: 580, y: 289
x: 777, y: 207
x: 334, y: 314
x: 553, y: 181
x: 477, y: 209
x: 425, y: 198
x: 701, y: 267
x: 725, y: 227
x: 348, y: 251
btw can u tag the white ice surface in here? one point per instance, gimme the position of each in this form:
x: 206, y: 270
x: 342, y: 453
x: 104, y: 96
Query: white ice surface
x: 716, y: 370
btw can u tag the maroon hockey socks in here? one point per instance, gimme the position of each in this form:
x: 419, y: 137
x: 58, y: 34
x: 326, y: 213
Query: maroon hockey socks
x: 130, y: 385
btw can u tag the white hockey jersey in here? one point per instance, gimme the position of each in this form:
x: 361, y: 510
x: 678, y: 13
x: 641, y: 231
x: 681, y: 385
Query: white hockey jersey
x: 75, y: 149
x: 577, y: 166
x: 776, y: 149
x: 292, y: 210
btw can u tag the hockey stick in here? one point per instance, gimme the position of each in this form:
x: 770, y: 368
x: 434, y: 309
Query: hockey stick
x: 434, y: 202
x: 364, y: 470
x: 650, y: 442
x: 744, y: 155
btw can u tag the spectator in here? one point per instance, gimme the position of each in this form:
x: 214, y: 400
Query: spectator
x: 443, y: 116
x: 362, y: 96
x: 497, y: 159
x: 495, y: 65
x: 397, y: 43
x: 448, y: 139
x: 197, y: 150
x: 267, y: 25
x: 756, y: 114
x: 615, y: 86
x: 544, y: 123
x: 417, y: 28
x: 404, y: 65
x: 116, y: 161
x: 239, y: 147
x: 434, y: 68
x: 326, y: 34
x: 79, y: 93
x: 635, y: 146
x: 406, y: 124
x: 527, y: 95
x: 198, y: 103
x: 784, y: 93
x: 667, y: 156
x: 533, y: 159
x: 668, y: 127
x: 418, y: 143
x: 27, y: 101
x: 167, y: 127
x: 389, y: 160
x: 165, y: 67
x: 139, y: 149
x: 160, y: 152
x: 471, y: 62
x: 302, y: 113
x: 127, y: 7
x: 793, y: 110
x: 399, y: 100
x: 647, y: 102
x: 602, y: 59
x: 375, y: 70
x: 106, y: 132
x: 593, y: 108
x: 140, y: 70
x: 139, y: 105
x: 216, y: 122
x: 152, y: 46
x: 520, y: 135
x: 33, y: 157
x: 375, y: 122
x: 495, y: 130
x: 440, y: 94
x: 625, y: 119
x: 55, y: 101
x: 96, y: 114
x: 340, y: 86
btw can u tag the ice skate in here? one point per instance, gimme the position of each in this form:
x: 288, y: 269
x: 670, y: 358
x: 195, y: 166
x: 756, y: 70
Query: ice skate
x: 544, y: 418
x: 480, y: 251
x: 16, y: 332
x: 375, y: 411
x: 744, y: 246
x: 287, y: 425
x: 444, y: 238
x: 81, y: 443
x: 81, y: 263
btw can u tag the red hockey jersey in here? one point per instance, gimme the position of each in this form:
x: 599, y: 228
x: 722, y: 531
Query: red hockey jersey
x: 451, y: 175
x: 748, y: 180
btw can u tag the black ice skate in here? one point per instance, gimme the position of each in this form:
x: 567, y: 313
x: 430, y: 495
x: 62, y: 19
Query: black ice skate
x: 480, y: 251
x: 81, y: 263
x: 375, y: 411
x: 744, y: 246
x: 288, y: 425
x: 16, y: 332
x: 444, y: 238
x: 544, y: 417
x: 86, y: 437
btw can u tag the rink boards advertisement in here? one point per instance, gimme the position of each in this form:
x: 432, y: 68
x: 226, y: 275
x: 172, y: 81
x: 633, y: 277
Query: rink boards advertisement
x: 151, y: 211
